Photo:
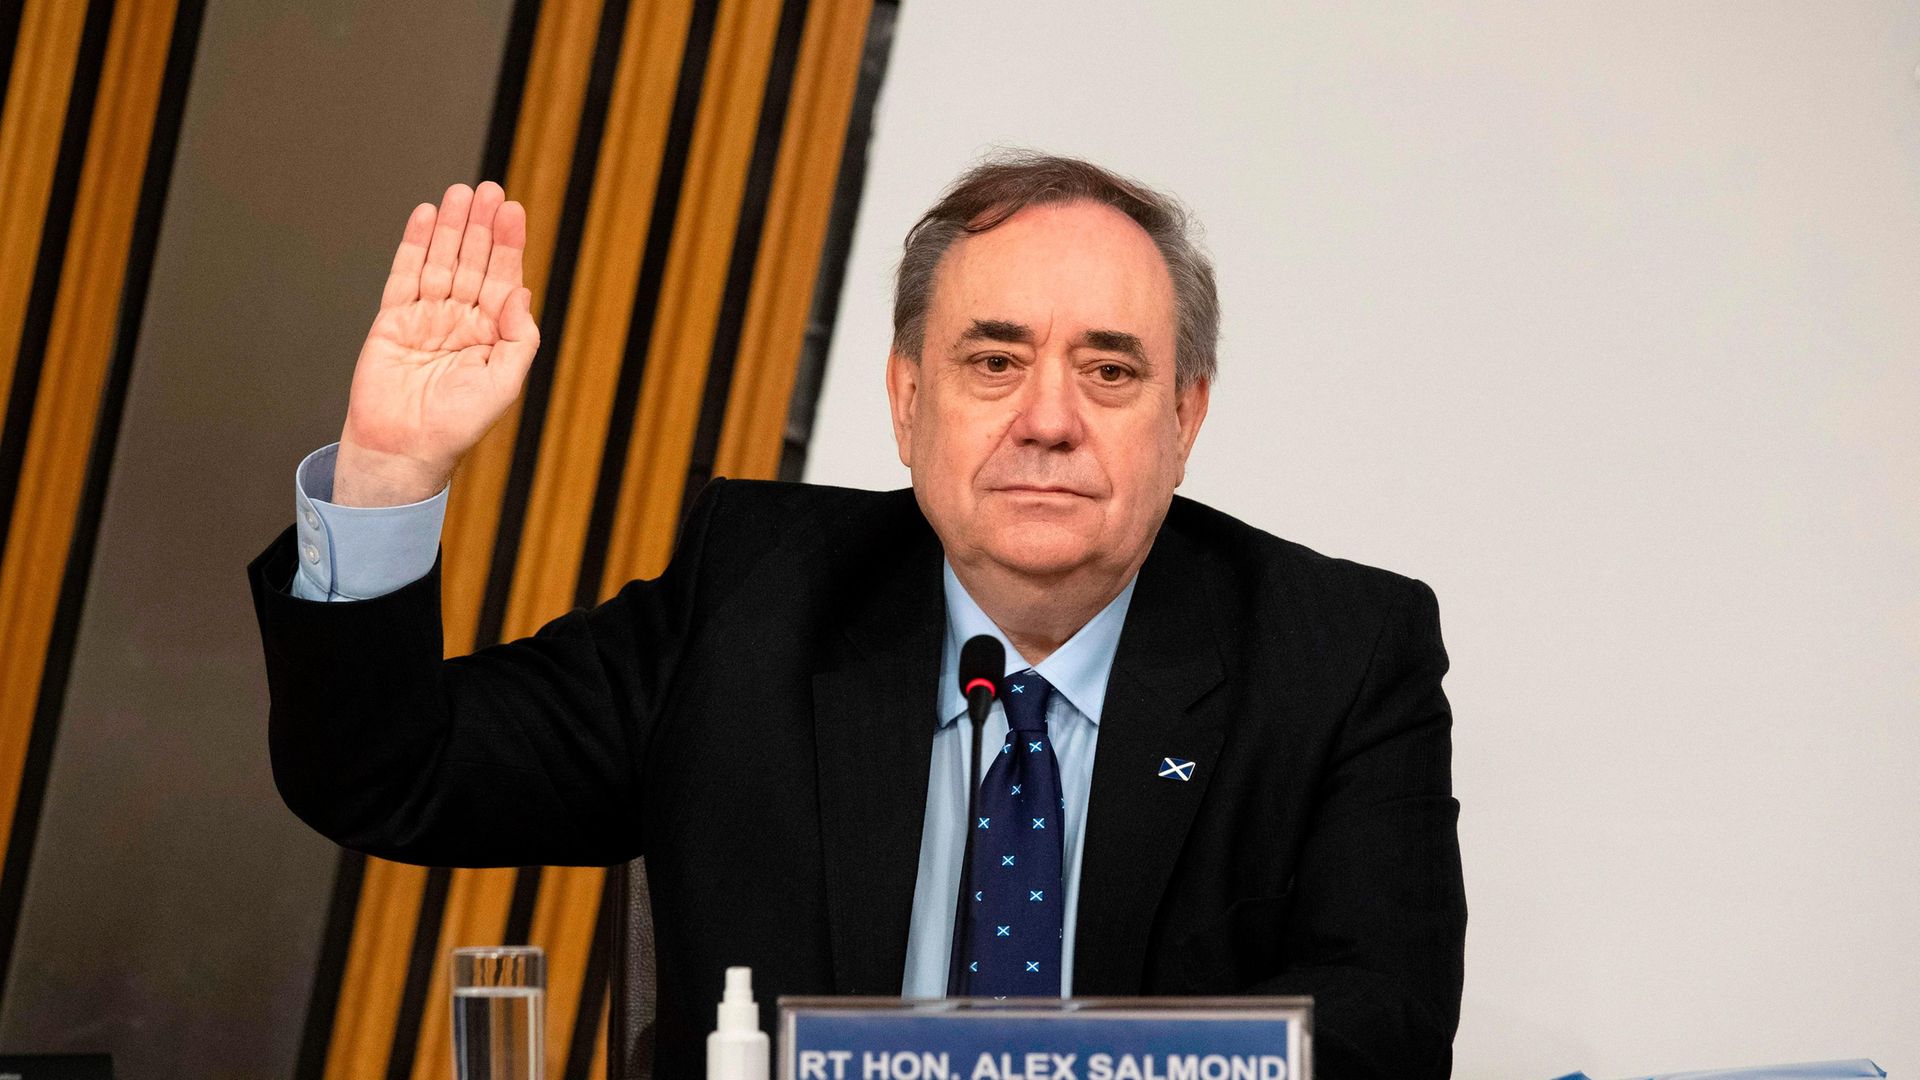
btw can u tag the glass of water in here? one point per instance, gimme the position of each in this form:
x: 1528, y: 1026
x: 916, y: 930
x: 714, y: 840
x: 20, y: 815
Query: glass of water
x: 499, y: 1013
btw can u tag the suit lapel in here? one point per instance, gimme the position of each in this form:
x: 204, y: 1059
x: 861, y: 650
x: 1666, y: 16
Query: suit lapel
x: 1137, y: 821
x: 875, y: 711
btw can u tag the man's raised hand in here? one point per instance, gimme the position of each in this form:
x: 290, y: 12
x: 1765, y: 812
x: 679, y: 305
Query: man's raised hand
x: 447, y: 353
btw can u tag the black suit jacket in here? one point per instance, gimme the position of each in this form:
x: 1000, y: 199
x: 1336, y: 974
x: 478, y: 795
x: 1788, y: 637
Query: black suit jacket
x: 758, y: 723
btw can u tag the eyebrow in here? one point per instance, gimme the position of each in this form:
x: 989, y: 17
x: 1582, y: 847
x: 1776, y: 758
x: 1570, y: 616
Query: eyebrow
x: 1116, y: 341
x: 1008, y: 332
x: 1001, y: 330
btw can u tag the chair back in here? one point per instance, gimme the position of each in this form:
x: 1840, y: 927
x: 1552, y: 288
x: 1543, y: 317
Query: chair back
x: 631, y: 1011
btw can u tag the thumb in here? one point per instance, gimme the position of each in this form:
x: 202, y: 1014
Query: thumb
x: 519, y: 340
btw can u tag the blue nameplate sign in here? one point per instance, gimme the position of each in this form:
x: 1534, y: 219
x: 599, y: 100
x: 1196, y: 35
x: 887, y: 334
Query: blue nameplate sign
x: 1075, y: 1039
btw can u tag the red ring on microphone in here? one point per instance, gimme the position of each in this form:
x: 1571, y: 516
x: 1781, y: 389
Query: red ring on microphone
x: 992, y: 691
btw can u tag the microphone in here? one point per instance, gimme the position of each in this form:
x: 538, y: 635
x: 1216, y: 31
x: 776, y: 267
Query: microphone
x: 983, y: 660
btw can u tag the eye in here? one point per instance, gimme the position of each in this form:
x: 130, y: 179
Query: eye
x: 1112, y: 372
x: 997, y: 362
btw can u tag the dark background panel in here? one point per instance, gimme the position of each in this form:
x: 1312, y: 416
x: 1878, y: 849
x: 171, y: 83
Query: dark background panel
x: 175, y: 910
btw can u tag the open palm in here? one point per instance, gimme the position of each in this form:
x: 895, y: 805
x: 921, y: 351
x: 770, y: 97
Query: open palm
x: 450, y: 348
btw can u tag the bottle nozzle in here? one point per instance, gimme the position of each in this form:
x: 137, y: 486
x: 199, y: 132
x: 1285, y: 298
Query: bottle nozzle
x: 737, y: 1049
x: 737, y: 1009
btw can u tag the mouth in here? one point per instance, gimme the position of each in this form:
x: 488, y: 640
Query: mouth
x: 1042, y: 490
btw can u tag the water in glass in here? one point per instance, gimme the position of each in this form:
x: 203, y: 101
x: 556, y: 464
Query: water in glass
x: 496, y: 1033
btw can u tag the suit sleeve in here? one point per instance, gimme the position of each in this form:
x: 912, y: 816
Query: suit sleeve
x: 1377, y: 924
x: 521, y: 754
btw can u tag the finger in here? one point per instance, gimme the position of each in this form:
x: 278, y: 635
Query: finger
x: 519, y: 340
x: 503, y: 268
x: 477, y: 242
x: 436, y: 278
x: 403, y: 280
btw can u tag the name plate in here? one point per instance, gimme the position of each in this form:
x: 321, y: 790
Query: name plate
x: 1044, y: 1039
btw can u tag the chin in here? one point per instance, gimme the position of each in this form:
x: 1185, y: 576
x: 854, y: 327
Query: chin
x: 1039, y: 549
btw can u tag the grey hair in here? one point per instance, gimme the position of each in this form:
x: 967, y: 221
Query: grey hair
x: 1009, y: 181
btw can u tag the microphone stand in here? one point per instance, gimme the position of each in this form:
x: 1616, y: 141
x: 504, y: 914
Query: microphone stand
x: 979, y: 702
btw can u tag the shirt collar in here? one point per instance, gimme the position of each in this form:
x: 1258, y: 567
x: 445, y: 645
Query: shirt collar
x: 1077, y: 670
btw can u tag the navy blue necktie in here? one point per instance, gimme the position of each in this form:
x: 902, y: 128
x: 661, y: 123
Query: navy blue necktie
x: 1010, y: 938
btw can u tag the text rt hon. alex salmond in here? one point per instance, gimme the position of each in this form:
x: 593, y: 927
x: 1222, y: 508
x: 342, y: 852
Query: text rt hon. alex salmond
x: 1248, y: 740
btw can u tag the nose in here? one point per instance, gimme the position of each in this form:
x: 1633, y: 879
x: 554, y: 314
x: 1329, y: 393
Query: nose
x: 1049, y: 416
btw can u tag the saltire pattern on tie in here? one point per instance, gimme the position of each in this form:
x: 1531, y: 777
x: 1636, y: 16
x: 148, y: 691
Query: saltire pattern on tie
x: 1011, y: 933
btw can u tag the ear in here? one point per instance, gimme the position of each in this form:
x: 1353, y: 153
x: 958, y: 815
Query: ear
x: 903, y: 393
x: 1189, y: 409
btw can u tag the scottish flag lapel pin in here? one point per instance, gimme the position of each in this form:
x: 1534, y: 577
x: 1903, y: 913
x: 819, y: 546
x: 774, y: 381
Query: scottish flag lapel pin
x: 1173, y: 768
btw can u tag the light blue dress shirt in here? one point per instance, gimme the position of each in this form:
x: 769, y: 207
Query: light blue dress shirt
x: 357, y: 553
x: 1078, y: 671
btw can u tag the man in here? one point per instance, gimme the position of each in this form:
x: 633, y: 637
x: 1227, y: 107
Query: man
x: 775, y: 723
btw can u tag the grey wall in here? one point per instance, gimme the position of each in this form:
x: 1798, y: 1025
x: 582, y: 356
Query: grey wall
x: 1604, y: 318
x: 174, y: 909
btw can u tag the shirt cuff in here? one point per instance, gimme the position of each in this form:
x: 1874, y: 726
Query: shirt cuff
x: 358, y: 552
